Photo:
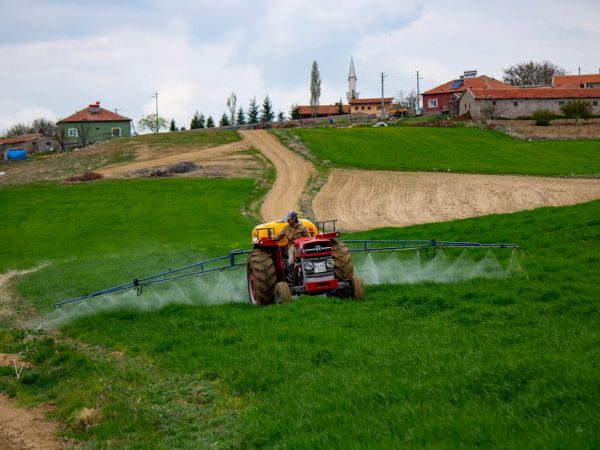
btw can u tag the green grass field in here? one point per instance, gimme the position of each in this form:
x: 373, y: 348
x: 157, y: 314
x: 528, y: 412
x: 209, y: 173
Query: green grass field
x: 454, y: 149
x: 494, y: 363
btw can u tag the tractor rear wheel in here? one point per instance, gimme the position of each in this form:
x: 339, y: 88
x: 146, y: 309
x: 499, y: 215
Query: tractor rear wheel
x: 343, y: 269
x: 282, y: 293
x: 261, y: 277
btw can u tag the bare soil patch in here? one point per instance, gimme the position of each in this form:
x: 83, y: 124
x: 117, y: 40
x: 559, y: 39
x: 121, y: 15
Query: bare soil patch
x: 558, y: 129
x: 363, y: 200
x: 224, y: 161
x: 293, y: 172
x: 24, y: 428
x: 7, y: 298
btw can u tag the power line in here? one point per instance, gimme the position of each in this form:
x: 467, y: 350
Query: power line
x: 382, y: 102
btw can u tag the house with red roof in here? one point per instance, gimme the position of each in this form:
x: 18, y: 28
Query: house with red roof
x: 306, y: 112
x: 93, y: 124
x: 370, y: 106
x: 523, y: 102
x: 576, y: 81
x: 31, y: 143
x: 445, y: 97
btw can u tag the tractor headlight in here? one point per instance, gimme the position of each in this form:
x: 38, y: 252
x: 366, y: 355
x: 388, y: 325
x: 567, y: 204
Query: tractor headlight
x: 309, y: 266
x: 329, y: 263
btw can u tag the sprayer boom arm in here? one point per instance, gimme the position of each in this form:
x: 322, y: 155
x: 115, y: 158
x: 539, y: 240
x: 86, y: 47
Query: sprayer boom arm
x: 226, y: 262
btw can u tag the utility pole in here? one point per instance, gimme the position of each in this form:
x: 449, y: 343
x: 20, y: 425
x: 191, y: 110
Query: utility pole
x: 155, y: 96
x: 382, y: 102
x: 418, y: 93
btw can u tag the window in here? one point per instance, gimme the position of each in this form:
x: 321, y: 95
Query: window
x: 494, y: 103
x: 116, y: 132
x: 362, y: 107
x: 432, y: 103
x: 515, y: 103
x: 72, y: 132
x: 595, y: 103
x: 368, y: 107
x: 561, y: 103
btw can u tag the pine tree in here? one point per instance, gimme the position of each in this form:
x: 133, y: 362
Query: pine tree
x: 201, y: 121
x: 267, y: 114
x: 224, y: 122
x: 253, y: 111
x: 172, y: 127
x: 280, y: 116
x: 295, y: 112
x: 194, y: 123
x: 241, y: 117
x: 210, y: 123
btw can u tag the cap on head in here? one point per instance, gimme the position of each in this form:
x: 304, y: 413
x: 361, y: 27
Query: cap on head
x: 291, y: 215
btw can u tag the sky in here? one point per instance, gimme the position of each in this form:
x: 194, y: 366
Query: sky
x: 58, y: 56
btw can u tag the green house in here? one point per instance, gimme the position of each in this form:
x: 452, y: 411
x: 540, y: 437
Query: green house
x: 93, y: 124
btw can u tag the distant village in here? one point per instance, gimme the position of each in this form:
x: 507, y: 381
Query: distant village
x: 474, y: 96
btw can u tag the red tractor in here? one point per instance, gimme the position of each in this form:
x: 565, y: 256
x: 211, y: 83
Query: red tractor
x: 322, y: 265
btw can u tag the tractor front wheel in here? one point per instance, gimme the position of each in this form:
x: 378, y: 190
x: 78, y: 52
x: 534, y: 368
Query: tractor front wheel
x: 261, y: 277
x: 358, y: 292
x: 282, y: 293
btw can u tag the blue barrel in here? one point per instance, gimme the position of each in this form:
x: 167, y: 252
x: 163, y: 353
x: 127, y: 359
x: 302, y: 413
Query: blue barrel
x: 17, y: 153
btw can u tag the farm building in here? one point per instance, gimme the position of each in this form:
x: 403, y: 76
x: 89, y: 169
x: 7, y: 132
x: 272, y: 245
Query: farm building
x: 306, y: 112
x: 32, y: 143
x: 370, y: 106
x: 93, y: 124
x: 523, y: 102
x: 576, y: 81
x: 445, y: 97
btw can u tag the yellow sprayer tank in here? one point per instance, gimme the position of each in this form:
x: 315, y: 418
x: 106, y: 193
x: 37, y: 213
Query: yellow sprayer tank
x: 263, y: 230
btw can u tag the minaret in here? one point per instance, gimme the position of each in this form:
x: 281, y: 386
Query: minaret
x: 351, y: 82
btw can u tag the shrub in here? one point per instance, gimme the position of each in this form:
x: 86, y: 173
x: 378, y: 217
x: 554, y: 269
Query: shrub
x: 543, y: 117
x: 577, y: 109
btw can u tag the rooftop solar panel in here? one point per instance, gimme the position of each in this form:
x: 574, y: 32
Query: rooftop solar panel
x: 457, y: 84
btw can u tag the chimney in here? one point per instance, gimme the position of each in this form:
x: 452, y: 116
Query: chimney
x: 470, y: 73
x: 95, y: 107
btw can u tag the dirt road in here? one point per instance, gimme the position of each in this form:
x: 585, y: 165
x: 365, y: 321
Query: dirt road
x: 293, y: 172
x: 362, y: 200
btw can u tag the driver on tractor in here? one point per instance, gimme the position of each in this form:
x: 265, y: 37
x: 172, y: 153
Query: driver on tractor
x: 292, y: 231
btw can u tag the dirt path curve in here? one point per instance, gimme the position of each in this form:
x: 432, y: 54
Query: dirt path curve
x: 362, y: 200
x: 205, y: 154
x: 293, y: 172
x: 24, y: 429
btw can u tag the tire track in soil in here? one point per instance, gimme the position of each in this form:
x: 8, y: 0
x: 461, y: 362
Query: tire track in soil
x: 363, y: 200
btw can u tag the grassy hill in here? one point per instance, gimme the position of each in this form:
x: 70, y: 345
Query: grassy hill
x: 507, y: 363
x: 454, y: 149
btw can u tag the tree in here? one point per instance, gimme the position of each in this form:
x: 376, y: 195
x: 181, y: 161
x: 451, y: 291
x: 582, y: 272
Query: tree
x: 408, y: 101
x: 577, y: 109
x: 172, y: 127
x: 241, y: 117
x: 83, y: 133
x: 201, y: 121
x: 315, y: 88
x: 340, y: 109
x: 224, y: 122
x: 151, y: 123
x: 543, y: 117
x: 43, y: 126
x: 295, y: 112
x: 61, y: 137
x: 195, y: 123
x: 39, y: 125
x: 231, y: 102
x: 253, y: 111
x: 210, y: 123
x: 490, y: 111
x: 532, y: 73
x: 267, y: 114
x: 280, y: 116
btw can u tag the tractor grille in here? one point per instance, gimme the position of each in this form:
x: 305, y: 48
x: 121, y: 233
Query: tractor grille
x: 317, y: 267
